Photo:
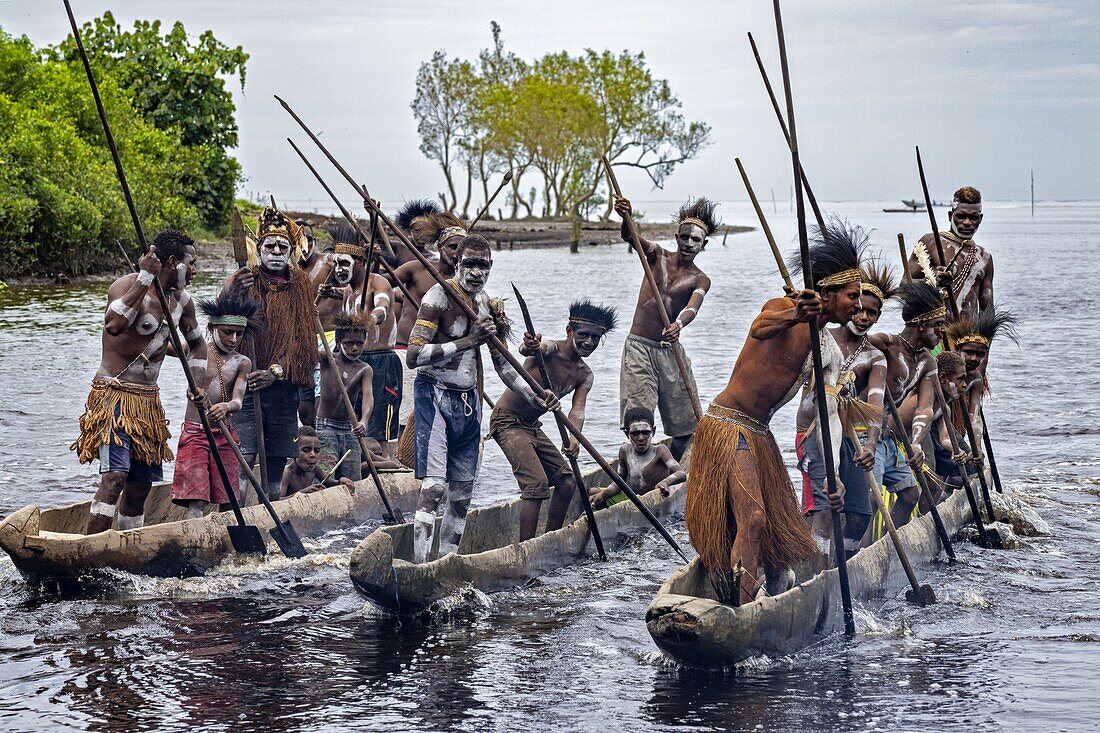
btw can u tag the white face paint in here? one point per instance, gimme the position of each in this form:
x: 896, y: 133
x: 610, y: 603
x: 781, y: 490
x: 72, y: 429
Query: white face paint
x: 219, y: 343
x: 274, y: 253
x: 344, y: 266
x: 691, y: 239
x: 181, y: 276
x: 473, y: 271
x: 861, y: 332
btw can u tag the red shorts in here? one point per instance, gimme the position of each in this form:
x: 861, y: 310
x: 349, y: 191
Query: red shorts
x: 807, y: 487
x: 196, y: 475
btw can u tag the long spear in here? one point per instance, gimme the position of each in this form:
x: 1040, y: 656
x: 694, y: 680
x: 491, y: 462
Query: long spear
x: 786, y: 134
x: 494, y: 340
x: 503, y: 183
x: 904, y: 258
x: 540, y: 360
x: 658, y: 299
x: 244, y: 537
x: 815, y: 336
x: 764, y: 225
x: 967, y: 423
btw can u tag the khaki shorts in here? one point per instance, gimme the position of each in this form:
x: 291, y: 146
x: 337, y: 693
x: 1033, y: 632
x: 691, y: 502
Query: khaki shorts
x: 536, y: 462
x: 650, y: 378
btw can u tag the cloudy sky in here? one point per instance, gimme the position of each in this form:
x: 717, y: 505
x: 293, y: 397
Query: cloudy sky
x: 989, y: 90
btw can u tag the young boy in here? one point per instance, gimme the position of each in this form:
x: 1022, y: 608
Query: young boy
x: 952, y: 372
x: 334, y: 429
x: 643, y: 465
x: 197, y: 483
x: 303, y: 474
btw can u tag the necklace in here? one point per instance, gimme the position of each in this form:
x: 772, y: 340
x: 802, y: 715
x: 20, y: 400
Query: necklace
x: 851, y: 359
x: 213, y: 349
x: 912, y: 349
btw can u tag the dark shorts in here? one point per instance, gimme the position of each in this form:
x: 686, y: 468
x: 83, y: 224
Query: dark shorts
x: 114, y: 457
x: 307, y: 394
x: 536, y: 462
x: 280, y: 409
x: 448, y: 431
x: 857, y: 492
x: 337, y: 439
x: 945, y: 466
x: 387, y: 387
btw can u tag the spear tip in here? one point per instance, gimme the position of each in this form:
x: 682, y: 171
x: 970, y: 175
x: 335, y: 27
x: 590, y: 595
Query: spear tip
x: 508, y: 176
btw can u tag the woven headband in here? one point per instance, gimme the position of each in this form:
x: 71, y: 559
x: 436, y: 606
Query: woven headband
x: 697, y: 222
x: 586, y: 322
x: 840, y: 278
x: 972, y: 338
x: 931, y: 315
x: 349, y: 249
x: 229, y: 321
x: 869, y: 288
x: 449, y: 232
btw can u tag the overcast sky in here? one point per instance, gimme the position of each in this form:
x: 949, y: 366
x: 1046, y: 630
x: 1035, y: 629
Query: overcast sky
x: 989, y: 90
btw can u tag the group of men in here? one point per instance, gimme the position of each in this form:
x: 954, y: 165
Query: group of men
x: 402, y: 349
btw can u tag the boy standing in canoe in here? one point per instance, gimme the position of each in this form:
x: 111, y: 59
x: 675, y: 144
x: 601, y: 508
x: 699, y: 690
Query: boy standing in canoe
x: 741, y: 512
x: 536, y: 462
x: 123, y: 424
x: 197, y: 482
x: 334, y: 427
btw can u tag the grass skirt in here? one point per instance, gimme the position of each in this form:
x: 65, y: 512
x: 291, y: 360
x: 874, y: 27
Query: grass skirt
x: 717, y: 470
x: 139, y: 415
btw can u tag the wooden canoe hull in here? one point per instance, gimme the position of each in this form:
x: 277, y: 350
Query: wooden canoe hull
x: 49, y: 544
x: 689, y: 625
x: 490, y: 557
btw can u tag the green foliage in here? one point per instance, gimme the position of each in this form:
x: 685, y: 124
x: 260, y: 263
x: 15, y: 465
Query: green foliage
x: 61, y: 208
x: 554, y: 117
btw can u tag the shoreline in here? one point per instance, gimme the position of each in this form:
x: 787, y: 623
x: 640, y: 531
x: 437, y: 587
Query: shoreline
x: 502, y: 235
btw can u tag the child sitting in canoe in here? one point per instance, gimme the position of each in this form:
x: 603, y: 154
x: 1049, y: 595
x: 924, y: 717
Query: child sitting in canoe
x: 643, y: 465
x: 303, y: 474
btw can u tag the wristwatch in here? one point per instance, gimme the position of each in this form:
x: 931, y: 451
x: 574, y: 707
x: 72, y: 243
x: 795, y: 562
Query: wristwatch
x: 277, y: 370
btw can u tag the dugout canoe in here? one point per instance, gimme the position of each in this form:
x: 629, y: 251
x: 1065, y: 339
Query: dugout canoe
x: 48, y: 544
x: 688, y: 624
x: 490, y: 556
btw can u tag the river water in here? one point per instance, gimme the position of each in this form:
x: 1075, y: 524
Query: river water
x: 1013, y: 644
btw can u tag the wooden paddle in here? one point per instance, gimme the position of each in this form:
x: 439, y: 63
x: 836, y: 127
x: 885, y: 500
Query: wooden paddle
x: 989, y: 452
x: 245, y: 538
x: 658, y: 299
x: 764, y: 225
x: 493, y: 338
x: 337, y: 465
x: 954, y: 307
x: 920, y: 594
x: 815, y: 335
x: 503, y: 183
x: 394, y: 512
x: 586, y: 502
x: 904, y: 259
x: 918, y: 473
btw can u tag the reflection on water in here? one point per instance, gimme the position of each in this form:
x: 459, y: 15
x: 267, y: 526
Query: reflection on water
x: 288, y: 645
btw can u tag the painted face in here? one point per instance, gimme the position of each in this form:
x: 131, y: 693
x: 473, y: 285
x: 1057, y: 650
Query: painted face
x: 307, y: 233
x: 309, y: 450
x: 965, y: 219
x: 274, y: 253
x: 228, y: 338
x: 690, y: 239
x: 185, y: 269
x: 954, y: 383
x: 344, y: 268
x: 352, y: 344
x: 974, y: 354
x: 447, y: 249
x: 640, y: 433
x: 585, y: 338
x: 473, y: 270
x: 840, y: 304
x: 867, y: 316
x: 930, y: 333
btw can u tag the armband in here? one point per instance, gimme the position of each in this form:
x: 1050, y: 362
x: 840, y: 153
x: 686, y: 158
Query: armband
x: 145, y: 277
x: 448, y: 349
x: 124, y: 310
x: 196, y: 363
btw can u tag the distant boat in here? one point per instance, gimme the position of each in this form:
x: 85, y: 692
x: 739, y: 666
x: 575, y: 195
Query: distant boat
x: 912, y: 206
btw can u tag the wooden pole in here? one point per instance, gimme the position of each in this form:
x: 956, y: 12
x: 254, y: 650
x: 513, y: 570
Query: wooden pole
x: 484, y: 209
x: 815, y: 336
x: 666, y: 321
x: 904, y: 259
x: 495, y: 341
x: 764, y: 225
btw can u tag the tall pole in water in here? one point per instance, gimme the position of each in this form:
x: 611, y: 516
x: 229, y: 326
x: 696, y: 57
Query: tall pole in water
x: 1032, y: 193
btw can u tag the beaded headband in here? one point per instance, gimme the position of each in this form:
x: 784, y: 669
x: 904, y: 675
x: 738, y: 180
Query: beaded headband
x: 349, y: 249
x: 697, y: 222
x: 228, y: 321
x: 869, y: 288
x: 840, y: 278
x: 931, y: 315
x: 449, y: 232
x: 586, y: 322
x: 972, y: 338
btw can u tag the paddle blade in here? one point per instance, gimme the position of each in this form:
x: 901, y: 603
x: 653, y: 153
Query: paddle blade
x: 926, y: 598
x: 237, y: 236
x: 246, y: 539
x: 286, y: 537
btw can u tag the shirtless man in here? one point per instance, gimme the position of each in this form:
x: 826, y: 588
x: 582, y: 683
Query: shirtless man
x: 536, y: 462
x: 336, y: 275
x: 444, y: 348
x: 410, y: 212
x: 970, y: 274
x: 334, y: 428
x: 311, y: 259
x: 861, y: 387
x: 123, y: 424
x: 951, y: 368
x: 643, y: 465
x: 741, y: 512
x: 649, y: 376
x: 302, y: 474
x: 910, y: 370
x: 197, y: 482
